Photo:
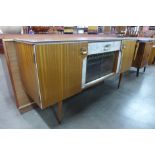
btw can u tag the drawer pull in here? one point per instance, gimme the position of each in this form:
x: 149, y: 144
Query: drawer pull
x: 107, y: 47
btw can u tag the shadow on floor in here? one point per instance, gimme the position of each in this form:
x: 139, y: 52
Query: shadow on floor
x: 78, y: 104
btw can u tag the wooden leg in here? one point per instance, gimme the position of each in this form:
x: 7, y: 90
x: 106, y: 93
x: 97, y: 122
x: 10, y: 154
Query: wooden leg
x: 59, y: 112
x: 144, y: 69
x: 120, y: 79
x: 137, y: 72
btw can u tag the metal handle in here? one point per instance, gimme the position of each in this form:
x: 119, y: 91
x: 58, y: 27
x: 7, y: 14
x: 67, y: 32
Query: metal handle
x: 106, y: 48
x: 84, y: 51
x: 123, y: 46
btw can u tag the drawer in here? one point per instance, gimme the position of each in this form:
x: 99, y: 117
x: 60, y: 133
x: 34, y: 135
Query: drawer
x: 102, y: 47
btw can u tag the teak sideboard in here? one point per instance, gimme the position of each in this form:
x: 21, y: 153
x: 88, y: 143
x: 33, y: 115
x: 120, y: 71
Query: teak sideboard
x: 48, y: 72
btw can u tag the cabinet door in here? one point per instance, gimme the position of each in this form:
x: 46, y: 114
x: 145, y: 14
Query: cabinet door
x: 128, y: 51
x: 59, y: 71
x: 72, y: 61
x: 49, y: 64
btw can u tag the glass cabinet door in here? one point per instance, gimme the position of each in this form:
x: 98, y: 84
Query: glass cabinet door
x: 99, y: 65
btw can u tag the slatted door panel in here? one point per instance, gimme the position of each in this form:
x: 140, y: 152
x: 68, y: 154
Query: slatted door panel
x: 49, y: 64
x: 59, y: 71
x: 28, y: 70
x: 128, y: 50
x: 72, y: 68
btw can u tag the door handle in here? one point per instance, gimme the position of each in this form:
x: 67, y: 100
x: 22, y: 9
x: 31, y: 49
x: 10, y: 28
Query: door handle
x: 84, y: 51
x: 123, y: 46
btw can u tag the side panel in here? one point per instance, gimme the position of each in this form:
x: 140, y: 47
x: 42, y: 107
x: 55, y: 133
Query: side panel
x: 27, y: 66
x: 143, y: 54
x: 128, y: 50
x: 152, y: 56
x: 22, y: 99
x: 139, y: 55
x: 147, y: 52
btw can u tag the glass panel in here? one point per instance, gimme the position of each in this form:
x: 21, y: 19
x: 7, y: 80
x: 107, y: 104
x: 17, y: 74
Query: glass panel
x: 107, y: 63
x: 99, y: 65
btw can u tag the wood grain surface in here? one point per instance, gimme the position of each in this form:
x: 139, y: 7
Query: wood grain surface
x: 146, y: 54
x: 128, y: 50
x: 59, y: 71
x: 72, y: 68
x: 152, y: 56
x: 49, y: 62
x: 28, y: 72
x: 22, y: 100
x: 1, y: 47
x: 142, y: 56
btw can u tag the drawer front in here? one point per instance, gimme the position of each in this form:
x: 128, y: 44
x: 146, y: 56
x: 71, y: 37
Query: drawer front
x: 102, y: 47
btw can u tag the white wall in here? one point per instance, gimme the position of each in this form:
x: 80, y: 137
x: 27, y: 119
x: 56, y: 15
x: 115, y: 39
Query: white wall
x: 10, y: 29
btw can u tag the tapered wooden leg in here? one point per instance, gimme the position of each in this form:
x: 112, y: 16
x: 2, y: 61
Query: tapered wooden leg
x: 144, y: 69
x: 137, y: 72
x: 120, y: 79
x: 59, y: 111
